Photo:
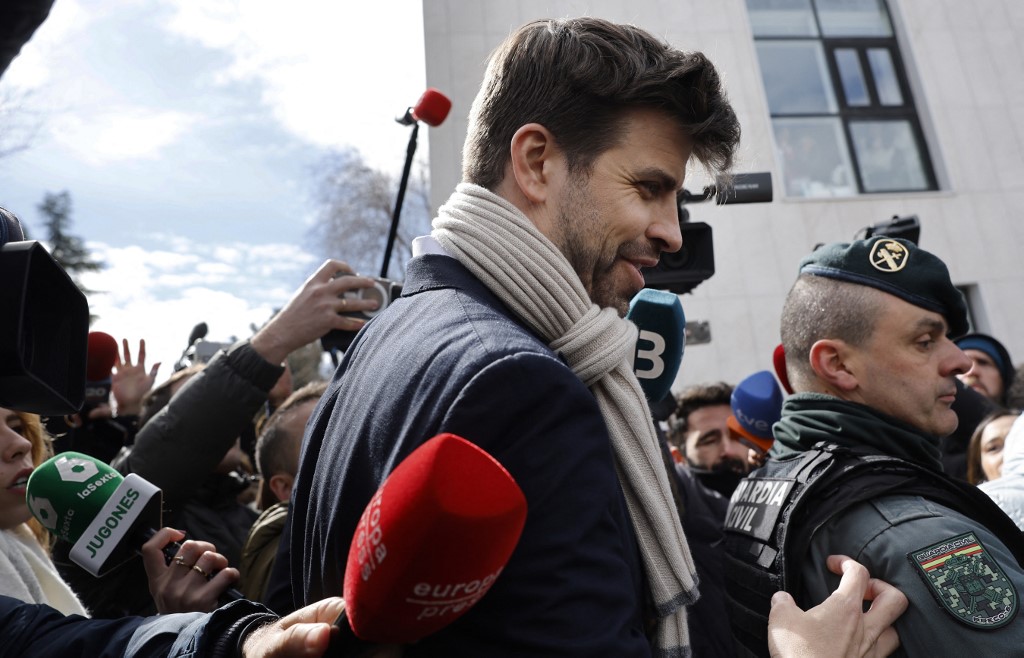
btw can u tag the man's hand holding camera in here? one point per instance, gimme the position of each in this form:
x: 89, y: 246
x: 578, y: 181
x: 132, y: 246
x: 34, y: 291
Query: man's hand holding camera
x: 319, y: 306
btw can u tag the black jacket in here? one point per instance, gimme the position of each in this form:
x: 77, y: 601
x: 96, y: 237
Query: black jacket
x: 178, y: 451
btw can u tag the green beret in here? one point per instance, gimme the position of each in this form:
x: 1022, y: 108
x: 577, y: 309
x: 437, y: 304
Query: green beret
x: 898, y: 267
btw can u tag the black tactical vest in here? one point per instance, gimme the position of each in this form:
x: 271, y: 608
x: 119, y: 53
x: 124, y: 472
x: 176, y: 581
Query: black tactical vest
x: 776, y: 510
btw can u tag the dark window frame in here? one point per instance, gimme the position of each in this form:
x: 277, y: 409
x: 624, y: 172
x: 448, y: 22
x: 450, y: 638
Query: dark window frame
x: 875, y: 110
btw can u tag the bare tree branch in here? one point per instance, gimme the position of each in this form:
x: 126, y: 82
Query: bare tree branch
x: 354, y: 208
x: 19, y: 123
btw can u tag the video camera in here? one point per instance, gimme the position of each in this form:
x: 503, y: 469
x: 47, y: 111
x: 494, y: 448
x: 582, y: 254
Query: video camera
x: 694, y: 263
x: 46, y: 317
x: 43, y: 338
x: 384, y: 291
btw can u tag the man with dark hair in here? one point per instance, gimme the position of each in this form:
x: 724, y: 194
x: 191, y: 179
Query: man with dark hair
x: 699, y: 431
x: 277, y: 459
x: 509, y: 333
x: 855, y: 469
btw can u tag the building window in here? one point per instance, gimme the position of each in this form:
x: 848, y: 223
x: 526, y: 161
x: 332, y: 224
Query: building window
x: 842, y: 112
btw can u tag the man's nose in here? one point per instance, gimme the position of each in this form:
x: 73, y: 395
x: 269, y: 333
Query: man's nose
x: 665, y: 228
x: 958, y: 363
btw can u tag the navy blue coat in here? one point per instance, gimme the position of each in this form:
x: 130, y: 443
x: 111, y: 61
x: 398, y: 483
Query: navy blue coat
x: 39, y: 631
x: 449, y: 357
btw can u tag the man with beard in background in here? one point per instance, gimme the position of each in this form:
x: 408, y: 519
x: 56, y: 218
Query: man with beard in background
x: 699, y: 435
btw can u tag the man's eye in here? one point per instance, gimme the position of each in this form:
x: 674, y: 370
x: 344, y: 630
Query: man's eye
x: 651, y: 188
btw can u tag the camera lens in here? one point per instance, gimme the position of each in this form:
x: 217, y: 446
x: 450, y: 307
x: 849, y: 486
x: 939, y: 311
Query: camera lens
x: 376, y: 293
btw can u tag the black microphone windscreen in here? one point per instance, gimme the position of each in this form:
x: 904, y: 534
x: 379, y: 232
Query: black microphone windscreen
x: 198, y: 333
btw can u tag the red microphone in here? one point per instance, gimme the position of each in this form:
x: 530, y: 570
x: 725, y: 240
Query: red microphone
x: 432, y: 109
x: 431, y: 542
x: 101, y: 355
x: 779, y: 361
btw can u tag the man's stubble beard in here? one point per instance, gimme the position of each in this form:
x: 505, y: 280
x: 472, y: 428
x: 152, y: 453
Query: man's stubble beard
x: 576, y: 216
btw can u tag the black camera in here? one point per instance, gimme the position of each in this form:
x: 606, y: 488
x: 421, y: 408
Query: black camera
x: 384, y: 291
x: 43, y: 338
x: 694, y: 263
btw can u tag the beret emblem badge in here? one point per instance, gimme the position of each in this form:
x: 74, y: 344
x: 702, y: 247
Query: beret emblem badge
x: 888, y: 256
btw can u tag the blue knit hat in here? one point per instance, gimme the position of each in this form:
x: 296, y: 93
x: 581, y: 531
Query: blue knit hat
x: 995, y: 350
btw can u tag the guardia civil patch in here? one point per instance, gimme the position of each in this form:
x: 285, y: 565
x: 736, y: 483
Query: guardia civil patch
x: 967, y: 581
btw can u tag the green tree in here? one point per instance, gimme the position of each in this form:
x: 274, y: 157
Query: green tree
x: 68, y: 250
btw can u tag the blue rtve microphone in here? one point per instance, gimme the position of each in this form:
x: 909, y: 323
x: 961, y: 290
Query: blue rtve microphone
x: 659, y: 349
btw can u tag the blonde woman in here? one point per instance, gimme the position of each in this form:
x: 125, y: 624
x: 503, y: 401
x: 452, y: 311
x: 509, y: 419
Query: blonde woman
x: 26, y: 570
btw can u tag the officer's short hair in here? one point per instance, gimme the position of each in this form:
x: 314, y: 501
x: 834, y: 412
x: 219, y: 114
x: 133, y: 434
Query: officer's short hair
x: 820, y: 308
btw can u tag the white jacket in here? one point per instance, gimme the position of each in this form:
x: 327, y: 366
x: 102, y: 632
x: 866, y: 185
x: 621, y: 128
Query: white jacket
x: 1008, y: 489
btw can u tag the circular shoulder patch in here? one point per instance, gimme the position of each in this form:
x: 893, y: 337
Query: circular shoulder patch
x: 967, y: 581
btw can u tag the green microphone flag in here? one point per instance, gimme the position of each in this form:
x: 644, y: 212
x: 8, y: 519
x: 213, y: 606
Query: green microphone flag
x: 100, y: 512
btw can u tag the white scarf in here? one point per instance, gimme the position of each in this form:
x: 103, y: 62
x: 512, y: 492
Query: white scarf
x: 28, y: 574
x: 502, y: 248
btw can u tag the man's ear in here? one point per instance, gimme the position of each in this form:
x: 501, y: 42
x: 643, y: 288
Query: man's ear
x: 281, y: 485
x: 534, y: 156
x: 829, y: 360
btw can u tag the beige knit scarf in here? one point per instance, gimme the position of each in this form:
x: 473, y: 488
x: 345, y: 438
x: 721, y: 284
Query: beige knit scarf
x: 504, y: 250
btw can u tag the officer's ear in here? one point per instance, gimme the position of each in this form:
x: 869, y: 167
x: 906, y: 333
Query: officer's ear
x: 829, y: 361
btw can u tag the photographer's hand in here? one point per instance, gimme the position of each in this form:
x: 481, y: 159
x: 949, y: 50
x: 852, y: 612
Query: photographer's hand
x: 313, y: 311
x: 130, y: 382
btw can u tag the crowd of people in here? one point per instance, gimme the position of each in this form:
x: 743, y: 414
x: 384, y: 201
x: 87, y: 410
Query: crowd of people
x: 835, y: 506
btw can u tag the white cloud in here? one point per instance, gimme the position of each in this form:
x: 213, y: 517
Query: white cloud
x: 161, y: 295
x: 216, y: 269
x: 333, y: 73
x: 227, y: 254
x: 121, y: 133
x: 32, y: 68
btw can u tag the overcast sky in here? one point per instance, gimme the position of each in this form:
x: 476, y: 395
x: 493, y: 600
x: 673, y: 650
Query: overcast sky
x: 186, y: 132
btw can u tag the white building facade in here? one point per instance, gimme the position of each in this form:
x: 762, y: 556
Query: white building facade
x: 862, y: 110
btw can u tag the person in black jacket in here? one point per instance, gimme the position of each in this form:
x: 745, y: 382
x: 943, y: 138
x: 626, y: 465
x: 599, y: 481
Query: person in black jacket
x: 182, y: 448
x: 241, y: 628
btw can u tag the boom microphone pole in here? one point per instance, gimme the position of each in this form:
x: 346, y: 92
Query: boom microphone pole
x: 431, y: 108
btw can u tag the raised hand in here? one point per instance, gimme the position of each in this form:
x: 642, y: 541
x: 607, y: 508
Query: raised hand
x: 130, y: 382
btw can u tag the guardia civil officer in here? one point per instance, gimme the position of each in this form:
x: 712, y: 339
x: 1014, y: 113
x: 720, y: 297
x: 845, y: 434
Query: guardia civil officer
x: 855, y: 468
